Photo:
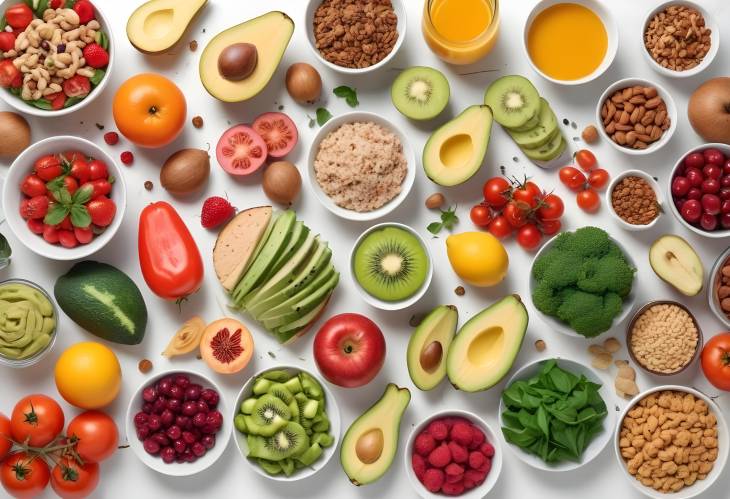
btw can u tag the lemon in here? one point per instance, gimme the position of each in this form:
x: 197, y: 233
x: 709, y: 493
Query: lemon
x: 478, y: 258
x: 88, y: 375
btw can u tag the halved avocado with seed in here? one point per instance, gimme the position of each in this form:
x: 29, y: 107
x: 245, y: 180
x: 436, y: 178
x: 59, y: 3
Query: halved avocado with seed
x: 429, y: 347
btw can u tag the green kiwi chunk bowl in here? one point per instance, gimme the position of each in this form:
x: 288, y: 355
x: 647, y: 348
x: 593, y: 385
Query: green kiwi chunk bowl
x: 287, y: 423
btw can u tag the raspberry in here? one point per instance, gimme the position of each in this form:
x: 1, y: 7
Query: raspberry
x: 111, y: 138
x: 477, y: 438
x: 450, y: 421
x: 440, y: 456
x: 453, y: 478
x: 486, y: 467
x: 419, y: 466
x: 453, y: 489
x: 468, y: 484
x: 216, y: 210
x: 475, y: 476
x: 487, y: 449
x: 454, y: 469
x: 438, y: 430
x: 433, y: 479
x: 476, y: 460
x: 458, y: 453
x: 127, y: 157
x: 424, y: 444
x: 461, y: 433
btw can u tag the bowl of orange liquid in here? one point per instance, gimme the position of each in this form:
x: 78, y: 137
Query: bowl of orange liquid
x: 570, y: 42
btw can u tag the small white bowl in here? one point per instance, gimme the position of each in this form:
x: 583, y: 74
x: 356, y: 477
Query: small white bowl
x: 178, y: 469
x: 561, y: 327
x: 400, y: 12
x: 391, y: 205
x: 699, y: 486
x: 609, y: 23
x: 671, y: 111
x: 25, y: 108
x: 654, y: 185
x: 392, y: 305
x: 477, y: 492
x: 12, y: 196
x: 333, y: 413
x: 716, y: 234
x: 709, y: 57
x: 712, y: 297
x: 598, y: 443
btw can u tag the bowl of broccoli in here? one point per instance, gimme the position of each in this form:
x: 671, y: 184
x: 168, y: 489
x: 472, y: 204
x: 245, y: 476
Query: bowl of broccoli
x: 581, y: 282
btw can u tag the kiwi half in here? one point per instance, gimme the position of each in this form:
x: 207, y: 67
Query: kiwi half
x: 291, y: 440
x: 420, y: 92
x: 390, y: 264
x: 514, y: 101
x: 542, y: 133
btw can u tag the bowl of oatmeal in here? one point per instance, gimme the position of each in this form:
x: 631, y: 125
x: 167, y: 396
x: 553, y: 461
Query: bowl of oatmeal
x: 361, y: 167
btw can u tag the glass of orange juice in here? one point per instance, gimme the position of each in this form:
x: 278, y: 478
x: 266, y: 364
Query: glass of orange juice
x: 461, y: 31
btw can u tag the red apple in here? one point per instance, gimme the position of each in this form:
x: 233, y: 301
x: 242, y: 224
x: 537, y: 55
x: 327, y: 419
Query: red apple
x: 349, y: 350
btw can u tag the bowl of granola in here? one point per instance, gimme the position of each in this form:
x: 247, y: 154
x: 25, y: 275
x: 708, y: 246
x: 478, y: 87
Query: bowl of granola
x: 54, y: 60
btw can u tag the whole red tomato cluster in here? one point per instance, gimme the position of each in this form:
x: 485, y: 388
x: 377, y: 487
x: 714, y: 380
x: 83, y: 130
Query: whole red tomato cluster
x: 34, y: 450
x: 585, y: 186
x: 519, y: 207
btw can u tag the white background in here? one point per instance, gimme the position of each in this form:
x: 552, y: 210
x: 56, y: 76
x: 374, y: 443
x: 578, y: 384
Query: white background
x: 231, y: 477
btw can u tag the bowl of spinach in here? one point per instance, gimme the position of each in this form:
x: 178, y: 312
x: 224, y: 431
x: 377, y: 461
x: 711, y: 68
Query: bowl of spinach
x: 554, y: 415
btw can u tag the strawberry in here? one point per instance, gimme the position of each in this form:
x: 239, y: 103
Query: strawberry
x: 127, y: 157
x: 57, y: 4
x: 111, y: 138
x: 216, y: 210
x: 85, y: 11
x: 96, y: 56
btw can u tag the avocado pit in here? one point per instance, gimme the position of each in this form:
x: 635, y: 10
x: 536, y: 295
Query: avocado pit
x: 431, y: 356
x: 236, y: 62
x: 370, y: 445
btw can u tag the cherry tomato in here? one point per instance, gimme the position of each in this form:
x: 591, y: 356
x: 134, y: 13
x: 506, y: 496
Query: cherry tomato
x: 71, y: 184
x: 84, y: 235
x: 58, y: 4
x: 516, y: 213
x: 38, y: 419
x: 529, y: 236
x: 19, y: 16
x: 585, y: 159
x: 598, y: 178
x: 98, y: 170
x: 716, y: 361
x: 36, y: 226
x: 10, y: 76
x: 481, y: 215
x: 33, y: 185
x: 58, y: 100
x: 5, y: 436
x: 550, y: 227
x: 50, y: 234
x: 70, y: 480
x: 23, y: 475
x: 48, y: 168
x: 97, y: 435
x: 80, y: 170
x: 67, y: 238
x: 572, y: 178
x: 551, y: 208
x: 527, y: 195
x: 496, y: 192
x: 500, y: 227
x: 102, y: 211
x: 77, y: 86
x: 66, y: 224
x: 101, y: 187
x: 588, y: 200
x: 7, y: 41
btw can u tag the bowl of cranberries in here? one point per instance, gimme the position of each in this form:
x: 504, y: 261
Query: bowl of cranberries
x: 453, y: 453
x: 177, y: 424
x: 64, y: 198
x: 700, y: 190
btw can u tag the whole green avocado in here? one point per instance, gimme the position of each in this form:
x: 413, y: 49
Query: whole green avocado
x: 103, y: 300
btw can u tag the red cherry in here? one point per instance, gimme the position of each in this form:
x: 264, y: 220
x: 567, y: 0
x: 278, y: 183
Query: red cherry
x: 694, y: 193
x: 694, y: 175
x: 691, y: 210
x: 680, y: 186
x: 710, y: 186
x: 711, y: 204
x: 712, y: 171
x: 694, y: 160
x: 708, y: 222
x: 725, y: 206
x: 714, y: 156
x: 725, y: 220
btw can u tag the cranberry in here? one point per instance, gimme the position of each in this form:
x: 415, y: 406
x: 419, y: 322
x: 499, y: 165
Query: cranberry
x: 215, y: 418
x: 708, y: 222
x: 725, y: 181
x: 147, y: 408
x: 192, y: 392
x: 211, y: 397
x: 175, y: 405
x: 159, y: 405
x: 208, y: 441
x: 167, y: 418
x: 679, y: 203
x: 188, y: 437
x: 140, y: 419
x: 726, y: 167
x: 714, y: 156
x: 725, y: 220
x: 150, y: 446
x: 189, y: 456
x: 208, y: 429
x: 149, y: 394
x: 143, y: 432
x: 199, y: 419
x: 198, y: 449
x: 710, y: 186
x: 168, y: 454
x: 182, y: 421
x: 182, y: 380
x: 694, y: 193
x: 189, y: 408
x: 176, y: 392
x: 179, y: 446
x: 725, y: 207
x: 712, y: 171
x: 694, y: 176
x: 174, y: 432
x: 691, y: 210
x: 711, y: 204
x: 164, y: 385
x: 161, y: 439
x: 694, y: 160
x: 202, y: 406
x: 680, y: 186
x: 154, y: 422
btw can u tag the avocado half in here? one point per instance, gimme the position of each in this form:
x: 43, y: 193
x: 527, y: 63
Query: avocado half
x: 429, y: 346
x: 157, y: 25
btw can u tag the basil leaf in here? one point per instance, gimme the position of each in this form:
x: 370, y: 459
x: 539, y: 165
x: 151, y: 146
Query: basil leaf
x: 56, y: 214
x: 62, y: 196
x: 98, y: 76
x: 434, y: 228
x: 347, y: 93
x: 72, y: 101
x: 40, y: 7
x: 3, y: 23
x: 83, y: 195
x: 5, y: 252
x: 44, y: 104
x: 56, y: 184
x: 80, y: 216
x: 102, y: 39
x: 323, y: 116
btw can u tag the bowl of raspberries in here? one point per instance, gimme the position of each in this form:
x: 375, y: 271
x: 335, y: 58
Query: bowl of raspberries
x: 453, y: 453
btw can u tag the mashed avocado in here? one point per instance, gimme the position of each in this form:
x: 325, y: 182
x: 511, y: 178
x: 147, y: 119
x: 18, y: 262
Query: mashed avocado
x: 27, y: 321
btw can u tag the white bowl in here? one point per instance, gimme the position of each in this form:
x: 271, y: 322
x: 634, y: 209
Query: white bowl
x: 178, y: 469
x: 699, y: 486
x: 400, y: 12
x: 650, y: 180
x: 716, y: 234
x: 560, y: 326
x: 392, y: 305
x: 333, y: 413
x: 712, y: 297
x: 709, y: 57
x: 598, y: 8
x: 12, y: 196
x: 598, y: 443
x: 384, y: 210
x: 477, y: 492
x: 21, y: 106
x: 671, y: 112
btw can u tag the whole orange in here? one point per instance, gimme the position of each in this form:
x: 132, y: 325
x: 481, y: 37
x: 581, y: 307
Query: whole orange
x: 149, y: 110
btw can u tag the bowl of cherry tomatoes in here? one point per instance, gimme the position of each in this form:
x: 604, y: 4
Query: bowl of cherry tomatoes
x: 64, y: 198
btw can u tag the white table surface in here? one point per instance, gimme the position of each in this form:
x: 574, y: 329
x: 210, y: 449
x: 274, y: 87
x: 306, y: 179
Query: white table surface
x: 230, y: 477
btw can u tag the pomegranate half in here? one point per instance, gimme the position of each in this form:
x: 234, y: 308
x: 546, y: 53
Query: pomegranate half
x: 226, y: 346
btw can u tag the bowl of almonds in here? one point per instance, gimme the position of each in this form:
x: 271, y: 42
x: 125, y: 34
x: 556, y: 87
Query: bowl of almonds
x: 636, y: 116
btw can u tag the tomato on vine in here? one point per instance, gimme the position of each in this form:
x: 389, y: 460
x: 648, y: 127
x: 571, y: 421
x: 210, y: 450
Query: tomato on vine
x: 550, y: 227
x: 481, y: 215
x: 516, y: 213
x: 500, y: 227
x: 71, y: 480
x: 585, y: 159
x: 24, y: 475
x: 36, y: 420
x: 528, y: 193
x: 5, y: 435
x: 529, y: 236
x: 497, y: 192
x: 551, y: 207
x: 95, y: 434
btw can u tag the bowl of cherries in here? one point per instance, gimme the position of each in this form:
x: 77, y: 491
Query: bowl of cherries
x: 179, y: 423
x: 700, y: 190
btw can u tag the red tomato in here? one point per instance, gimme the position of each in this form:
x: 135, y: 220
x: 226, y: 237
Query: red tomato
x: 500, y: 227
x: 169, y: 258
x: 528, y: 193
x: 67, y: 238
x: 58, y: 4
x: 716, y: 361
x: 5, y: 443
x: 33, y: 185
x: 19, y: 16
x: 80, y: 170
x: 551, y: 208
x: 83, y: 235
x: 50, y: 234
x: 588, y: 200
x: 37, y: 419
x: 102, y: 211
x: 66, y: 224
x: 529, y: 236
x: 481, y: 215
x: 550, y: 227
x: 10, y: 76
x: 77, y: 86
x: 48, y: 167
x: 98, y: 170
x: 36, y: 226
x: 58, y: 100
x: 70, y: 480
x: 71, y: 184
x: 101, y: 187
x: 23, y: 475
x: 97, y: 435
x: 585, y: 159
x: 572, y: 178
x: 496, y: 191
x: 516, y: 213
x: 598, y: 178
x: 7, y: 41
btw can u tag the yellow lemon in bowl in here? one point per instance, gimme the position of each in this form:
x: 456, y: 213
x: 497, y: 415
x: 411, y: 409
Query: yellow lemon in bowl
x: 478, y: 258
x: 88, y: 375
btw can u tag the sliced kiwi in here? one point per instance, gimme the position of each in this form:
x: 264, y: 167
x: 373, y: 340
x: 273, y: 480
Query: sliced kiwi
x: 309, y: 410
x: 514, y: 101
x: 269, y: 415
x: 311, y: 386
x: 289, y: 441
x: 287, y: 466
x: 293, y: 385
x: 310, y: 455
x: 261, y: 386
x: 296, y: 412
x: 420, y: 93
x: 240, y: 423
x: 270, y: 467
x: 277, y: 375
x: 390, y: 264
x: 248, y: 405
x: 549, y: 151
x: 323, y: 439
x: 280, y: 391
x: 540, y: 134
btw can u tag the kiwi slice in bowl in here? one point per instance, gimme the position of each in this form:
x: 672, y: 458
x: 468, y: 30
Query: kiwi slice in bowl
x: 420, y: 93
x: 514, y: 101
x: 390, y: 264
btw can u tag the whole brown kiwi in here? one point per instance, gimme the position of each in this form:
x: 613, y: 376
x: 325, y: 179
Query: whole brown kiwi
x: 236, y: 62
x: 14, y: 134
x: 186, y: 171
x: 282, y: 182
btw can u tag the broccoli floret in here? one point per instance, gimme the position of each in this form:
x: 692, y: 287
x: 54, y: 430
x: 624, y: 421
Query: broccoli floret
x: 588, y: 314
x: 608, y: 273
x: 622, y: 278
x: 545, y: 299
x: 585, y: 242
x: 562, y: 271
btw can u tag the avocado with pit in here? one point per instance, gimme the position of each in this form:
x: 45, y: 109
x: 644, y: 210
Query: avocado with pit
x: 157, y: 25
x: 487, y: 345
x: 239, y: 62
x: 429, y: 346
x: 371, y: 442
x: 455, y: 152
